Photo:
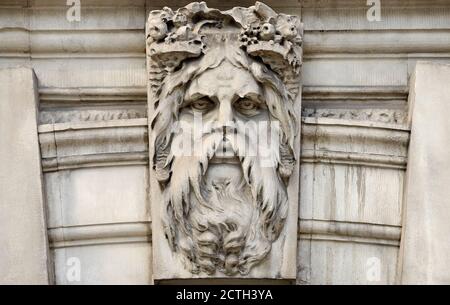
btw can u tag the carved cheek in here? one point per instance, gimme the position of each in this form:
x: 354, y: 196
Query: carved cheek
x: 262, y: 116
x: 211, y: 115
x: 186, y: 116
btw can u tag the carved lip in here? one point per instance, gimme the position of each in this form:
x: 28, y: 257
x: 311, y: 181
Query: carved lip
x: 222, y: 160
x: 225, y: 154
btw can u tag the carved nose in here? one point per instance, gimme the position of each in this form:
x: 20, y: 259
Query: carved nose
x: 225, y: 114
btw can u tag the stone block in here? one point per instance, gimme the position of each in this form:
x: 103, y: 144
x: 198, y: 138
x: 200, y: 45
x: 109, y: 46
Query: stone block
x: 425, y: 247
x: 24, y: 251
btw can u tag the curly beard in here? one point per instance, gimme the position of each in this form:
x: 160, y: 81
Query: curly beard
x: 219, y: 230
x: 224, y: 217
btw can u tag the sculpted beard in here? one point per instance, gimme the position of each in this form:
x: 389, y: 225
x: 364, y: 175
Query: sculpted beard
x: 214, y: 223
x: 228, y: 223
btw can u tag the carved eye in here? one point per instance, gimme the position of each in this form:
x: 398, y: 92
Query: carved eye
x: 203, y: 104
x: 247, y: 107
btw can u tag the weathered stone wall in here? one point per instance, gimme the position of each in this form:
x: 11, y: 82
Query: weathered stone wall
x: 424, y: 251
x: 93, y: 129
x: 355, y: 135
x: 24, y: 253
x: 93, y: 132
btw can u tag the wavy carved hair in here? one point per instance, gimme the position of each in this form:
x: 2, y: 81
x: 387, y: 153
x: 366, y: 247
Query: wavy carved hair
x: 270, y: 200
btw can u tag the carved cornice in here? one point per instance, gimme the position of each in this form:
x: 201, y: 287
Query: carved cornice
x: 71, y: 43
x: 389, y: 141
x: 354, y: 143
x: 63, y: 105
x: 97, y: 234
x: 96, y: 94
x: 378, y: 43
x: 355, y: 232
x: 140, y: 232
x: 355, y: 92
x: 336, y: 157
x: 92, y: 144
x: 363, y: 4
x: 81, y: 115
x: 94, y: 160
x: 392, y: 116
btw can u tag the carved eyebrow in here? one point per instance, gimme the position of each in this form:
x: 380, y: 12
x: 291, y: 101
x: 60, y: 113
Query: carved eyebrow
x: 194, y: 96
x: 197, y: 93
x: 252, y: 96
x: 189, y: 98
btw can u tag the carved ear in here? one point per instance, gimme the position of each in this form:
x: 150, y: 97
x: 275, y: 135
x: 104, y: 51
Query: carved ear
x: 161, y: 125
x: 162, y: 169
x: 287, y: 161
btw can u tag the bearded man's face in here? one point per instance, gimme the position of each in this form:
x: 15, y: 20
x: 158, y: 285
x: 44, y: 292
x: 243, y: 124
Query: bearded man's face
x: 223, y: 95
x: 233, y: 202
x: 223, y: 90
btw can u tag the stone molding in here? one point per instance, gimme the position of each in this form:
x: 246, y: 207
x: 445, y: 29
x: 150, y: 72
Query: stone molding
x: 315, y: 229
x: 98, y: 234
x: 90, y: 144
x: 367, y: 233
x: 355, y: 143
x: 389, y: 141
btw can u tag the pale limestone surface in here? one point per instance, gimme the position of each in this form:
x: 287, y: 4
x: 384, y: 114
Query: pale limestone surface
x: 218, y: 211
x: 350, y: 201
x: 24, y: 253
x: 425, y: 249
x: 112, y: 263
x: 355, y: 72
x: 96, y: 180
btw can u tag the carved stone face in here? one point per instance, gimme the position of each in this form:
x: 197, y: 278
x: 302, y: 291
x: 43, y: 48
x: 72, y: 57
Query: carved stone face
x: 226, y: 199
x: 225, y: 95
x: 224, y: 192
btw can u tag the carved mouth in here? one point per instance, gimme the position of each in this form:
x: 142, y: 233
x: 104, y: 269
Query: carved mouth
x: 227, y: 160
x: 225, y: 154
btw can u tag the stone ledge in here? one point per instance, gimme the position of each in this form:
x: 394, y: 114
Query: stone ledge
x: 367, y: 233
x: 349, y: 158
x: 313, y: 229
x: 95, y: 234
x: 124, y: 142
x: 354, y: 143
x: 91, y: 144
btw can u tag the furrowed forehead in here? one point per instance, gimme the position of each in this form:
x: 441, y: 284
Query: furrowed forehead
x: 225, y: 78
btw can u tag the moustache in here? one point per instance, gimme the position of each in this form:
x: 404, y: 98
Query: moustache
x: 227, y: 143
